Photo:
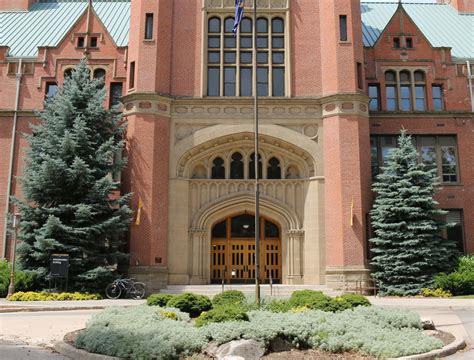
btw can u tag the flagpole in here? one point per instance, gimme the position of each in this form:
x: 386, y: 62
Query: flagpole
x: 256, y: 159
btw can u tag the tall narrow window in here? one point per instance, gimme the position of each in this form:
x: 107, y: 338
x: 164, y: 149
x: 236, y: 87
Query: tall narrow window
x: 218, y: 169
x: 427, y: 150
x: 149, y: 27
x: 262, y: 81
x: 252, y: 166
x: 420, y: 93
x: 131, y: 83
x: 360, y: 81
x: 229, y: 81
x: 437, y: 93
x: 405, y: 91
x: 236, y: 166
x: 99, y: 74
x: 68, y: 73
x: 116, y: 89
x: 391, y: 90
x: 396, y: 43
x: 93, y: 41
x: 274, y: 169
x: 454, y: 230
x: 374, y: 94
x: 51, y: 89
x: 80, y: 42
x: 409, y: 43
x: 343, y: 27
x: 447, y: 145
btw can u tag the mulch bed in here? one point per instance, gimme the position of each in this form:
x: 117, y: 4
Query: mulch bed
x: 310, y: 354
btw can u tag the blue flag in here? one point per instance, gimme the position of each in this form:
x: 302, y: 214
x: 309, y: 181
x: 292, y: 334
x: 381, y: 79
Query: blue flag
x: 239, y: 13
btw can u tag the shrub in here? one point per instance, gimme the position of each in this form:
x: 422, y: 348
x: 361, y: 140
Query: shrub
x: 159, y: 299
x: 435, y: 293
x: 277, y: 306
x: 315, y: 300
x: 45, y: 296
x: 24, y: 280
x: 457, y: 283
x: 193, y: 304
x: 222, y: 314
x: 356, y: 300
x: 466, y: 263
x: 228, y: 297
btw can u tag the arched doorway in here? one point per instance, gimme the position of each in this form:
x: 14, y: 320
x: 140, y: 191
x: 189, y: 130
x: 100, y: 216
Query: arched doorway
x: 233, y: 250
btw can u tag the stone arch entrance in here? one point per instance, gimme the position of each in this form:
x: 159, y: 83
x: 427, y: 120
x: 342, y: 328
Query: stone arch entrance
x: 291, y: 235
x: 233, y: 250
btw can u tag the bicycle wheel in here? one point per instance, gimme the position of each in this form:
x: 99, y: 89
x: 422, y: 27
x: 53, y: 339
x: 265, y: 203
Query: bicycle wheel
x: 138, y: 291
x: 113, y: 291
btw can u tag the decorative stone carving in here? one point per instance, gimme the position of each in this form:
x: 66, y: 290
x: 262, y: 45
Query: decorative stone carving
x: 262, y: 4
x: 295, y: 254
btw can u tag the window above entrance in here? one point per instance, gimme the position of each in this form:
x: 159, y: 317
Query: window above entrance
x: 243, y: 226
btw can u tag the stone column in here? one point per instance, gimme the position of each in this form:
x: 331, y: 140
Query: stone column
x: 295, y: 256
x: 197, y: 254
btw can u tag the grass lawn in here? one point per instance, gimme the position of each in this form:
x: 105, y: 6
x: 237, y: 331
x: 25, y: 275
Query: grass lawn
x: 464, y: 297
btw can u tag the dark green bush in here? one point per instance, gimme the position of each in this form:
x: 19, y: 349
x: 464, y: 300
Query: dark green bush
x: 457, y: 283
x: 24, y: 280
x: 159, y: 299
x: 309, y: 298
x: 222, y: 314
x: 193, y: 304
x: 228, y: 297
x: 356, y: 300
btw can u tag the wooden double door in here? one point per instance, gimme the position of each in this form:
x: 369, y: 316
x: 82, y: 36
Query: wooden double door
x: 233, y: 250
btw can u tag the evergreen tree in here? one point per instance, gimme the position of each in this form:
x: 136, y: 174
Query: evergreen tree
x: 70, y: 204
x: 408, y: 249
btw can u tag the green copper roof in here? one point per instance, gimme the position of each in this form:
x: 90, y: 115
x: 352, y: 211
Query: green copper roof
x: 48, y: 21
x: 441, y: 24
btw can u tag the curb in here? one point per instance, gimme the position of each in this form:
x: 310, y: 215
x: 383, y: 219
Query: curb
x: 46, y: 308
x: 79, y: 354
x: 456, y: 345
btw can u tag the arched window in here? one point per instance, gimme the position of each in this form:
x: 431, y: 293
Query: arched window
x: 199, y: 172
x: 278, y: 26
x: 420, y: 91
x: 405, y: 91
x: 271, y: 230
x: 274, y: 169
x: 214, y: 25
x: 218, y: 169
x: 220, y: 230
x: 391, y: 90
x: 252, y: 166
x: 99, y: 74
x: 236, y: 166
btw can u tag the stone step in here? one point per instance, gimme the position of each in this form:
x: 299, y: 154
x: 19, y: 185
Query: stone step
x: 277, y: 290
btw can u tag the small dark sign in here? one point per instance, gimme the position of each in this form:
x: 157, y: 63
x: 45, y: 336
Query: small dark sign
x: 59, y: 265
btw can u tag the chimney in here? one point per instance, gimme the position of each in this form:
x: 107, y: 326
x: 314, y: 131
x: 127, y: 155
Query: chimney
x: 18, y: 5
x: 463, y: 6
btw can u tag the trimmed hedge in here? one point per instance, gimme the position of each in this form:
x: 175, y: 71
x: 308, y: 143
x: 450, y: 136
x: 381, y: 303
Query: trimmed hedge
x: 159, y: 299
x: 222, y: 314
x: 461, y: 281
x: 45, y: 296
x: 229, y: 297
x: 193, y: 304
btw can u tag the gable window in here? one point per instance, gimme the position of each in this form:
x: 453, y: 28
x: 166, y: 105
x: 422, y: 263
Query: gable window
x: 436, y: 152
x: 391, y: 90
x: 409, y: 43
x: 437, y: 94
x: 420, y: 102
x: 374, y: 94
x: 80, y: 42
x: 343, y: 28
x: 116, y: 89
x: 405, y: 91
x: 396, y: 43
x: 51, y: 89
x: 93, y: 41
x: 230, y: 59
x: 149, y: 27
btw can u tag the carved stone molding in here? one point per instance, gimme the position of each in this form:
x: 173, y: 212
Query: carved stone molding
x: 345, y: 104
x: 182, y: 131
x: 143, y: 103
x: 262, y: 4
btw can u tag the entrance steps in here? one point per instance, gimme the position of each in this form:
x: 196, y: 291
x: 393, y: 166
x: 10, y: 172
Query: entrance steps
x: 277, y: 290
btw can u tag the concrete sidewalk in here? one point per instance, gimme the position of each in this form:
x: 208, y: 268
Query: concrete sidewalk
x: 13, y: 306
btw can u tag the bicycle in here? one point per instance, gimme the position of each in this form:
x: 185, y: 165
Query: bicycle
x: 131, y: 288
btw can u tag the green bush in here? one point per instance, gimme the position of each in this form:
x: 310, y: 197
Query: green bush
x: 466, y: 263
x: 193, y: 304
x: 159, y: 299
x: 277, y: 306
x: 457, y: 283
x: 315, y: 300
x: 222, y: 314
x: 45, y: 296
x: 229, y: 297
x: 356, y: 300
x: 24, y: 280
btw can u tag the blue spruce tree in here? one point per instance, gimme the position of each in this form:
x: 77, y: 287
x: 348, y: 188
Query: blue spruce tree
x: 407, y: 247
x: 69, y: 200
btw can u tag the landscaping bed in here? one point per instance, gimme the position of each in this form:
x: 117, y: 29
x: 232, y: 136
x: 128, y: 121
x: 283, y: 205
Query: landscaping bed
x: 347, y: 329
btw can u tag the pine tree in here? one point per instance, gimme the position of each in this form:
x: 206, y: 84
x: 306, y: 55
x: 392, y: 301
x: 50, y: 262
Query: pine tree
x: 408, y: 249
x: 69, y: 200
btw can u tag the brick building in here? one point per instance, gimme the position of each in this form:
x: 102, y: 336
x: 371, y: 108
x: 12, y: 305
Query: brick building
x: 337, y: 79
